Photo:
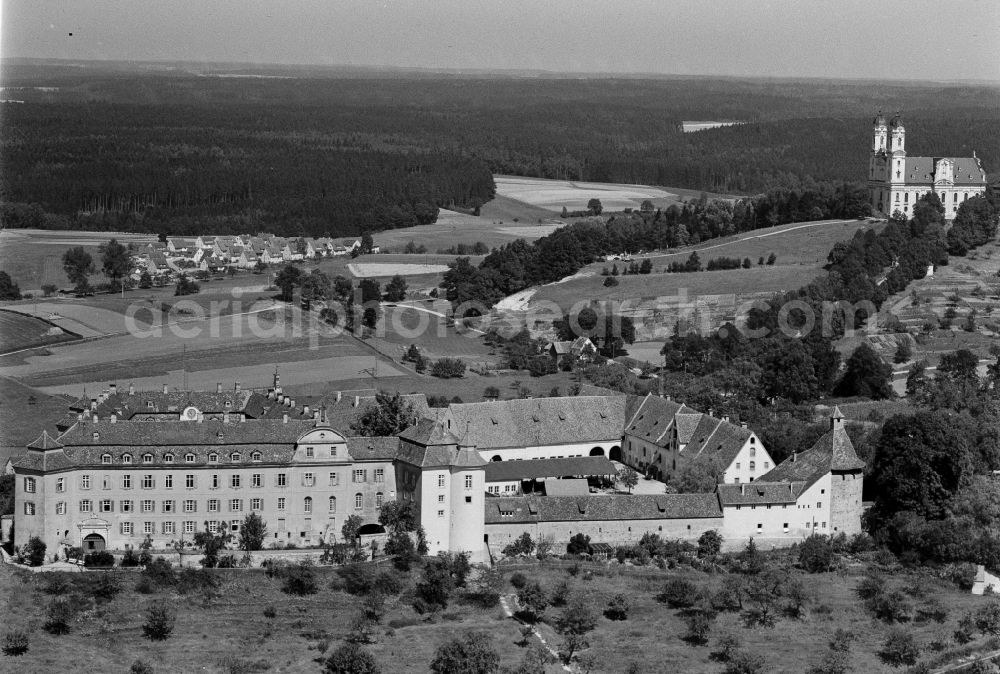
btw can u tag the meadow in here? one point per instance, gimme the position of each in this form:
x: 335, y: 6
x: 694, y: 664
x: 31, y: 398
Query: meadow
x: 22, y: 332
x: 247, y: 623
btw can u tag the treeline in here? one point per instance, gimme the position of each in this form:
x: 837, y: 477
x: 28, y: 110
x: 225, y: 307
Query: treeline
x: 187, y: 170
x: 519, y: 265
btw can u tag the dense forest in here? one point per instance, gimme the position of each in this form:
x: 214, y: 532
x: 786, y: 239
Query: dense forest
x: 307, y: 151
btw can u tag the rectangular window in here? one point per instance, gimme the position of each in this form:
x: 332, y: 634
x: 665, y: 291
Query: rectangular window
x: 189, y: 481
x: 189, y: 527
x: 281, y: 525
x: 256, y: 504
x: 190, y: 506
x: 785, y: 527
x: 440, y: 498
x: 234, y: 526
x: 378, y: 500
x: 256, y: 480
x: 440, y: 513
x: 106, y: 482
x: 760, y: 527
x: 468, y: 482
x: 29, y: 485
x: 61, y: 508
x: 147, y: 506
x: 84, y: 482
x: 359, y: 475
x: 310, y: 452
x: 107, y: 505
x: 29, y: 508
x: 235, y: 505
x: 334, y: 480
x: 308, y: 479
x: 441, y: 481
x: 168, y: 481
x: 85, y: 506
x: 126, y: 528
x: 126, y: 481
x: 333, y: 451
x: 147, y: 528
x: 126, y: 506
x: 281, y: 503
x: 359, y: 501
x: 215, y: 482
x: 148, y: 482
x: 168, y: 507
x: 168, y: 528
x: 380, y: 475
x: 234, y: 481
x: 819, y: 504
x: 60, y: 484
x: 213, y: 505
x: 213, y: 527
x: 282, y: 479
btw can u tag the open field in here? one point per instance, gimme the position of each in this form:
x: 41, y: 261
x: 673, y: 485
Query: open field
x: 691, y: 127
x: 554, y: 195
x: 33, y: 257
x: 383, y: 269
x: 21, y: 332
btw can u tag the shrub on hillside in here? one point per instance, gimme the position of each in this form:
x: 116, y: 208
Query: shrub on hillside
x: 102, y: 558
x: 34, y: 551
x: 159, y: 623
x: 140, y: 667
x: 679, y: 593
x: 298, y: 580
x: 448, y: 368
x: 518, y: 580
x: 816, y: 554
x: 579, y: 544
x: 618, y: 608
x: 58, y: 615
x: 15, y: 643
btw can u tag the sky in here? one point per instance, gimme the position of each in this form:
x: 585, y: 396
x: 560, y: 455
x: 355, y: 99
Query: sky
x: 887, y: 40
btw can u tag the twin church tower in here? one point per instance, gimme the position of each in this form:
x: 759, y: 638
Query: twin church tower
x: 896, y: 181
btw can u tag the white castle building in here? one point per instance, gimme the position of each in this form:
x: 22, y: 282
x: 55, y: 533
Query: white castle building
x: 896, y: 181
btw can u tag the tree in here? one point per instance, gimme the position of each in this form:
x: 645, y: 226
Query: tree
x: 693, y: 262
x: 594, y: 206
x: 350, y: 658
x: 903, y: 351
x: 159, y: 622
x: 646, y: 267
x: 212, y: 544
x: 115, y: 261
x: 352, y: 524
x: 34, y: 550
x: 288, y: 279
x: 398, y: 516
x: 78, y: 265
x: 579, y: 544
x: 709, y: 543
x: 610, y: 282
x: 390, y: 415
x: 771, y: 259
x: 917, y: 377
x: 472, y: 653
x: 253, y: 531
x: 185, y: 286
x: 744, y: 662
x: 8, y: 289
x: 533, y: 602
x: 866, y: 375
x: 58, y: 616
x: 899, y: 649
x: 628, y: 477
x: 448, y: 368
x: 618, y: 607
x: 699, y: 625
x: 367, y: 244
x: 395, y: 290
x: 816, y: 554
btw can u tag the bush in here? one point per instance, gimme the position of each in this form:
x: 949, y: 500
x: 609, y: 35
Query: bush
x: 899, y: 648
x: 34, y: 550
x: 579, y: 544
x: 102, y: 558
x: 699, y: 624
x: 159, y: 623
x: 518, y: 580
x: 140, y: 667
x: 618, y: 608
x: 709, y: 543
x: 55, y: 583
x: 58, y: 615
x: 448, y: 368
x: 159, y: 572
x: 299, y: 580
x: 350, y: 659
x: 816, y: 554
x: 15, y: 643
x: 200, y: 581
x: 679, y: 593
x: 105, y: 588
x: 744, y: 662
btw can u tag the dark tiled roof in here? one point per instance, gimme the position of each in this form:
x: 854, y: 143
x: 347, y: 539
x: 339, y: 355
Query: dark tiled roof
x: 759, y: 493
x: 45, y: 441
x: 530, y: 509
x: 717, y: 440
x: 920, y: 170
x: 687, y: 421
x: 363, y: 448
x: 538, y: 421
x: 651, y: 420
x: 55, y: 459
x: 508, y: 471
x: 833, y: 451
x: 429, y: 432
x: 126, y: 406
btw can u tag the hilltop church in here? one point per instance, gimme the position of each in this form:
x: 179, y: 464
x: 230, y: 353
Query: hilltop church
x: 896, y: 181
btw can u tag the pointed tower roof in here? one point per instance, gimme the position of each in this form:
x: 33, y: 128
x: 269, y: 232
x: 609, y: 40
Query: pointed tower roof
x: 429, y: 432
x: 468, y: 457
x: 879, y: 119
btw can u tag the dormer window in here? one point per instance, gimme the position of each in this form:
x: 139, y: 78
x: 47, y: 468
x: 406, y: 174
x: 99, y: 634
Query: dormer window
x: 149, y: 404
x: 97, y: 436
x: 189, y: 458
x: 147, y: 458
x: 126, y: 458
x: 105, y: 458
x: 255, y: 457
x: 213, y: 458
x: 235, y: 456
x: 168, y: 458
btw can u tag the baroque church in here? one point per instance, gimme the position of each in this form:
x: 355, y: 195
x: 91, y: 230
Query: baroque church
x: 896, y: 181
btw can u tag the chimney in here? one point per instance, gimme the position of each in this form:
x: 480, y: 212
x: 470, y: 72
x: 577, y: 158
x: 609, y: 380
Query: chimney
x: 243, y: 417
x: 794, y: 454
x: 284, y: 418
x: 743, y: 424
x: 316, y: 415
x: 305, y: 410
x: 218, y: 387
x: 292, y: 403
x: 93, y: 404
x: 237, y: 387
x: 270, y: 394
x: 726, y: 418
x: 225, y: 417
x: 743, y: 489
x: 288, y: 402
x: 711, y: 412
x: 114, y: 419
x: 357, y: 400
x: 165, y: 389
x: 131, y: 389
x: 95, y: 418
x: 666, y: 397
x: 339, y: 395
x: 113, y: 388
x: 79, y: 417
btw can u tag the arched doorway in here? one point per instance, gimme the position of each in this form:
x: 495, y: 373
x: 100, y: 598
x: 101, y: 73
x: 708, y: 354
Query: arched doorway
x: 615, y: 454
x: 597, y: 451
x: 371, y: 529
x: 93, y: 543
x: 496, y: 458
